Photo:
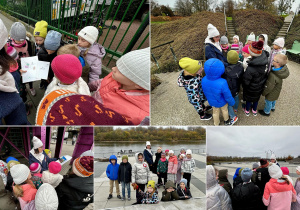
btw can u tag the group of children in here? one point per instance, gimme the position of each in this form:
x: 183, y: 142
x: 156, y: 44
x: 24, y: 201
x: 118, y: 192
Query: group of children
x: 170, y: 170
x: 254, y: 67
x: 75, y: 68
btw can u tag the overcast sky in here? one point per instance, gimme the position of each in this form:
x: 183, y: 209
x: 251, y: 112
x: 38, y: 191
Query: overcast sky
x: 253, y: 141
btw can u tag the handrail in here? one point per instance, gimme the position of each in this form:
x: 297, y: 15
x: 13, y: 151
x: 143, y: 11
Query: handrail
x: 292, y: 20
x: 152, y: 48
x: 225, y: 22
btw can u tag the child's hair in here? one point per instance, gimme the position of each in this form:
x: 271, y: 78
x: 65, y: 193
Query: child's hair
x: 140, y: 154
x: 5, y: 61
x: 285, y: 179
x: 282, y: 59
x: 36, y: 151
x: 18, y: 190
x: 212, y: 39
x: 261, y: 36
x: 69, y: 49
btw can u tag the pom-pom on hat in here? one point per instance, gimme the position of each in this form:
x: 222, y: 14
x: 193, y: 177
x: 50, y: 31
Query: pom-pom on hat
x: 3, y: 34
x: 279, y: 42
x: 246, y: 174
x: 40, y: 29
x: 255, y: 48
x: 36, y: 142
x: 212, y: 31
x: 54, y: 167
x: 246, y: 49
x: 89, y: 33
x: 83, y: 166
x: 275, y: 172
x: 35, y: 167
x: 251, y: 37
x: 190, y: 65
x: 52, y: 41
x: 232, y: 57
x: 224, y: 40
x: 18, y: 31
x: 19, y: 173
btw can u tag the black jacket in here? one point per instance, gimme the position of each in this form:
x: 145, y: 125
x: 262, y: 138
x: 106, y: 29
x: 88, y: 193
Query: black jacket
x: 237, y: 181
x: 234, y: 77
x: 75, y: 192
x: 157, y: 158
x: 124, y: 172
x: 182, y: 193
x: 262, y: 177
x: 44, y: 56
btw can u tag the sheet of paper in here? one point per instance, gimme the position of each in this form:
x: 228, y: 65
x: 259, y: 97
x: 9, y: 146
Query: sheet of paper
x: 66, y: 158
x: 43, y: 69
x: 29, y: 64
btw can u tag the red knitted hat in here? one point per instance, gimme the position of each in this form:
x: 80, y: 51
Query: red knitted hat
x: 84, y: 166
x: 67, y: 68
x: 255, y: 48
x: 285, y: 170
x: 54, y: 167
x: 246, y: 49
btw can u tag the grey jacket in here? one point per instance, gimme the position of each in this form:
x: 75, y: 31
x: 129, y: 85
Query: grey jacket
x: 140, y: 171
x: 188, y: 165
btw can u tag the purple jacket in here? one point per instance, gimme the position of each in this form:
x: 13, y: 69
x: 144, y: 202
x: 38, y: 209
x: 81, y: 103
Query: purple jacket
x: 178, y: 177
x: 296, y: 205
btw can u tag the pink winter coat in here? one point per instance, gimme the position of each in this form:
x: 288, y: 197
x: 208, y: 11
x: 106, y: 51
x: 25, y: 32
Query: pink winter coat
x: 278, y: 195
x: 133, y: 104
x: 172, y: 165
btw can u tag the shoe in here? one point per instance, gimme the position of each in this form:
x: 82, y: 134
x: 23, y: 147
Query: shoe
x: 41, y: 85
x: 208, y: 108
x: 33, y: 92
x: 118, y: 196
x: 110, y: 196
x: 234, y: 120
x: 254, y: 113
x: 206, y: 117
x: 129, y: 199
x: 123, y: 198
x: 273, y: 110
x: 228, y: 122
x: 247, y: 113
x: 262, y: 112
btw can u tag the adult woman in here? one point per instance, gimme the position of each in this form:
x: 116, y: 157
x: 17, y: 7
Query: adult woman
x: 148, y: 155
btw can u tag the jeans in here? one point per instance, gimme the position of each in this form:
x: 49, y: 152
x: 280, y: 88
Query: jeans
x: 269, y: 105
x: 125, y: 185
x: 254, y: 106
x: 235, y: 106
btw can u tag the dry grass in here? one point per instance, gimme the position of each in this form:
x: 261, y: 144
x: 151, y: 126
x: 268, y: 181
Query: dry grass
x: 294, y: 33
x: 154, y: 82
x: 164, y: 18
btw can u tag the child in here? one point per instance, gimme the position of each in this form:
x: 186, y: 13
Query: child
x: 112, y: 174
x: 183, y: 192
x: 246, y: 55
x: 3, y: 172
x: 67, y: 77
x: 296, y: 205
x: 274, y: 82
x: 170, y: 192
x: 234, y: 76
x: 35, y: 169
x: 187, y: 167
x: 254, y: 77
x: 151, y: 196
x: 92, y: 51
x: 182, y: 150
x: 157, y: 158
x: 216, y: 90
x: 286, y: 172
x: 251, y: 38
x: 224, y: 45
x: 126, y: 88
x: 162, y: 169
x: 148, y: 155
x: 278, y: 48
x: 237, y: 45
x: 167, y: 154
x: 180, y: 159
x: 223, y: 180
x: 172, y: 167
x: 124, y: 176
x: 190, y: 79
x: 40, y: 33
x: 52, y: 176
x: 264, y: 38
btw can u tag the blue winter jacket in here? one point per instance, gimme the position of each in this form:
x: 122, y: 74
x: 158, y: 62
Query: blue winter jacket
x: 236, y: 174
x: 45, y: 162
x: 212, y: 52
x: 148, y: 157
x: 214, y: 87
x: 112, y: 170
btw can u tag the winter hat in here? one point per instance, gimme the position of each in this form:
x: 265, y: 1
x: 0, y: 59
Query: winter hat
x: 12, y: 52
x: 167, y: 150
x: 35, y: 167
x: 52, y: 41
x: 275, y: 172
x: 279, y: 42
x: 11, y: 158
x: 183, y: 155
x: 135, y: 65
x: 83, y: 166
x: 40, y: 29
x: 224, y: 40
x: 255, y: 48
x: 188, y: 152
x: 171, y: 152
x: 36, y: 142
x: 124, y: 157
x: 163, y: 154
x: 47, y: 151
x: 148, y: 143
x: 184, y: 181
x: 273, y: 157
x: 285, y: 170
x: 11, y: 163
x: 54, y: 167
x: 212, y: 31
x: 246, y: 49
x: 3, y: 34
x: 19, y: 173
x: 89, y: 33
x: 251, y: 37
x: 190, y: 65
x: 66, y: 73
x: 151, y: 183
x: 232, y: 57
x: 255, y: 165
x: 46, y: 198
x: 87, y: 153
x: 298, y: 168
x: 237, y: 37
x: 246, y: 174
x: 18, y: 31
x: 159, y: 148
x: 263, y: 162
x: 182, y: 148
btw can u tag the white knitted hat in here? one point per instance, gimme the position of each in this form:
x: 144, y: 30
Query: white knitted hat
x: 275, y: 172
x: 212, y: 31
x: 251, y: 37
x: 148, y: 143
x: 189, y: 152
x: 279, y: 41
x: 19, y: 173
x: 18, y: 31
x: 3, y: 34
x: 171, y: 151
x: 36, y: 142
x: 237, y: 37
x: 298, y: 168
x: 135, y: 65
x: 273, y: 157
x: 89, y: 33
x: 46, y: 198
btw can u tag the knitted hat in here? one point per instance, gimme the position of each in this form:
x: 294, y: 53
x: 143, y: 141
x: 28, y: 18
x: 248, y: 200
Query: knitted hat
x: 255, y: 48
x: 190, y: 65
x: 163, y: 153
x: 285, y: 170
x: 212, y: 31
x: 298, y: 168
x: 125, y: 157
x: 11, y: 158
x: 237, y: 37
x: 182, y: 148
x: 224, y: 40
x: 46, y: 198
x: 246, y: 49
x: 232, y: 57
x: 12, y: 163
x: 148, y: 143
x: 159, y: 148
x: 87, y: 153
x: 188, y: 152
x: 135, y: 65
x: 3, y: 34
x: 171, y: 152
x: 167, y: 150
x: 36, y: 142
x: 151, y: 183
x: 251, y: 37
x: 35, y: 167
x: 19, y: 173
x: 255, y: 165
x: 47, y: 151
x: 11, y: 51
x: 184, y: 181
x: 275, y: 172
x: 18, y: 31
x: 40, y: 29
x: 52, y: 41
x: 246, y: 174
x: 89, y: 33
x: 279, y: 42
x: 273, y: 157
x: 54, y: 167
x: 66, y: 73
x: 263, y: 162
x: 83, y: 166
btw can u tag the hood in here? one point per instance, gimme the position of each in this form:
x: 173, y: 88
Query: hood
x: 113, y: 157
x: 210, y: 177
x: 236, y: 174
x: 170, y: 184
x: 136, y: 157
x: 214, y: 69
x: 279, y: 185
x: 282, y: 74
x: 222, y: 175
x: 97, y: 50
x: 260, y: 60
x: 266, y: 39
x: 7, y: 82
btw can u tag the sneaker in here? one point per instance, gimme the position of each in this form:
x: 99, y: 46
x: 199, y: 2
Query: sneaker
x: 254, y: 113
x: 247, y: 113
x: 262, y: 112
x: 273, y: 110
x: 228, y: 122
x: 118, y: 196
x: 129, y: 199
x: 206, y: 117
x: 110, y: 196
x: 234, y: 120
x: 208, y: 108
x: 32, y: 91
x: 123, y: 198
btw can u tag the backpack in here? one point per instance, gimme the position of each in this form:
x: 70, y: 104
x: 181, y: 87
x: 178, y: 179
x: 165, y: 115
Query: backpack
x: 234, y: 77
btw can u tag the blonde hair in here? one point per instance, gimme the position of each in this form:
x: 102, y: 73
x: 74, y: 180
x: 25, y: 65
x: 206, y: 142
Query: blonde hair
x: 282, y: 59
x: 18, y: 190
x: 69, y: 49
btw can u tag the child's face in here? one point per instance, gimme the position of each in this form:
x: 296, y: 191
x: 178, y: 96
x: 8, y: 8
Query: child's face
x: 127, y: 84
x: 276, y: 47
x: 261, y: 39
x: 273, y: 160
x: 182, y: 185
x: 18, y: 42
x: 171, y: 154
x: 235, y: 40
x: 276, y: 64
x: 159, y: 150
x: 245, y: 55
x: 50, y: 52
x: 148, y: 147
x: 249, y: 42
x: 39, y: 40
x: 163, y: 156
x: 150, y: 189
x: 49, y: 154
x: 124, y: 160
x: 113, y: 162
x: 224, y: 45
x: 83, y: 43
x: 189, y: 156
x: 140, y: 158
x: 167, y: 153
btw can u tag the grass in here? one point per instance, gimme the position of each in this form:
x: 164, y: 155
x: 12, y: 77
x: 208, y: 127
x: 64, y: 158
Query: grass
x: 158, y: 22
x: 229, y: 18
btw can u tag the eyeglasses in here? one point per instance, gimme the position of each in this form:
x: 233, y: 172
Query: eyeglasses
x: 217, y: 37
x: 275, y: 61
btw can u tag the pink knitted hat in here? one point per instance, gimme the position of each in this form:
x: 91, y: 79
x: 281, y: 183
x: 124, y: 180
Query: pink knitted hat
x: 35, y: 167
x: 67, y: 68
x: 54, y: 167
x: 246, y: 49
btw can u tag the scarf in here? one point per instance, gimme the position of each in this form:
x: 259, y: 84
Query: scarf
x: 216, y: 44
x: 39, y: 157
x: 149, y: 150
x: 225, y: 48
x: 18, y: 45
x: 163, y: 159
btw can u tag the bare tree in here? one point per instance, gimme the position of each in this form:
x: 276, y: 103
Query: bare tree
x: 184, y: 7
x: 284, y: 6
x: 229, y: 6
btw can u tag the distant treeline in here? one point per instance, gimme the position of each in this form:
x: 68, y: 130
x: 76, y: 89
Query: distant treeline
x: 211, y: 159
x: 149, y: 133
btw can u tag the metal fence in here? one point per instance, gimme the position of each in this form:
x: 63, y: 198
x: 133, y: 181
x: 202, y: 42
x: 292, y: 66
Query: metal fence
x: 123, y: 24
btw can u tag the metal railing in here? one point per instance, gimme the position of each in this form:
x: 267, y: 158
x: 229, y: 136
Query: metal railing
x: 296, y: 12
x: 225, y: 22
x: 172, y: 51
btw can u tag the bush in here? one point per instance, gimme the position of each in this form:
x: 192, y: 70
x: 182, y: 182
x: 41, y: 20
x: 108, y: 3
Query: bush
x: 166, y: 67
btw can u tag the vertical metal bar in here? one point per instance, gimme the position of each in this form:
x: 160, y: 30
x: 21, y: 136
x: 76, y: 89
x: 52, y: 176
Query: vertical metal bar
x: 26, y: 150
x: 144, y: 40
x: 63, y: 15
x: 83, y: 14
x: 78, y: 13
x: 28, y: 138
x: 69, y: 16
x: 100, y: 16
x: 59, y: 142
x: 92, y: 2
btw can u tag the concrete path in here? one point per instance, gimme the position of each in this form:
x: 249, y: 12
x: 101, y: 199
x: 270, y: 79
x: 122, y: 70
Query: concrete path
x: 170, y: 106
x: 101, y: 189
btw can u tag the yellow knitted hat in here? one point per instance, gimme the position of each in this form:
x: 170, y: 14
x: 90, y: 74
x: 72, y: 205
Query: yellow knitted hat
x: 47, y: 151
x: 151, y: 183
x: 41, y: 29
x: 190, y: 65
